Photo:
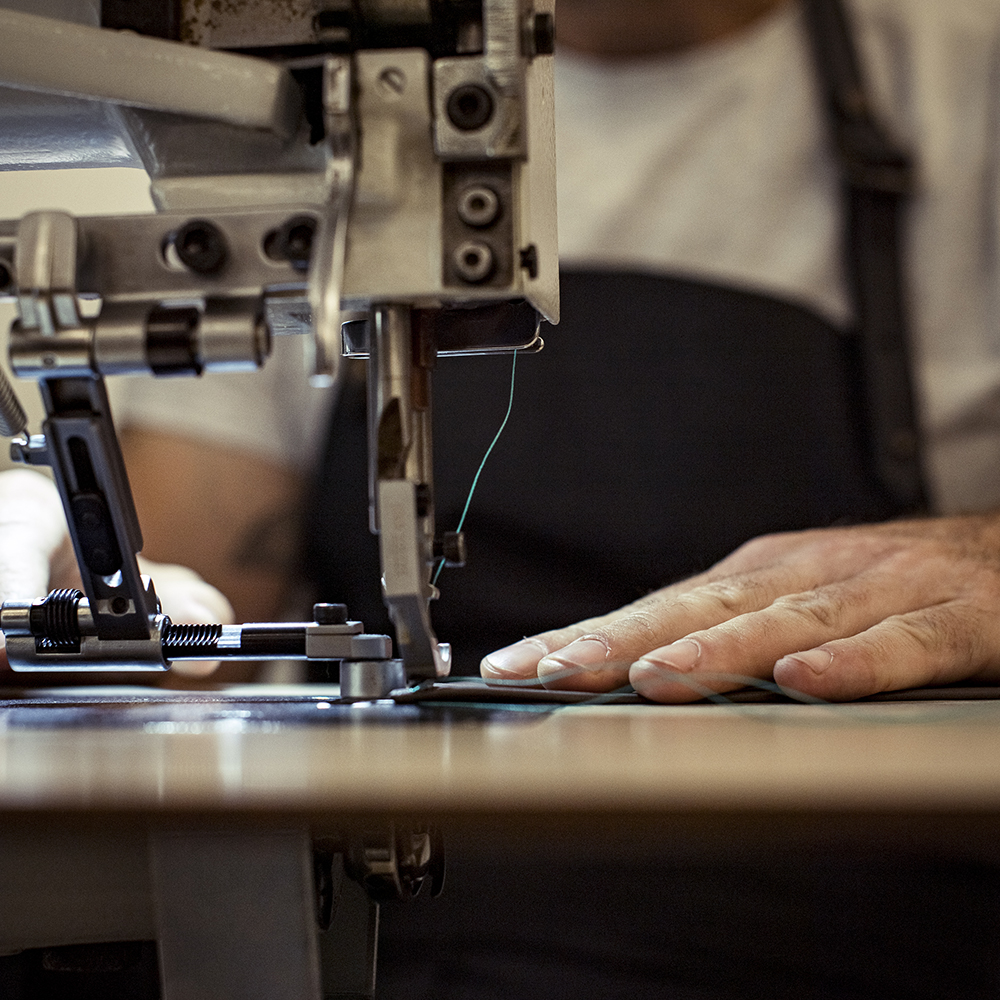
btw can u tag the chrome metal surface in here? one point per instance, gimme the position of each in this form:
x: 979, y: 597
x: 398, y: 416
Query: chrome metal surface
x: 329, y: 253
x: 232, y: 336
x: 369, y: 680
x: 336, y: 642
x: 197, y: 287
x: 400, y: 477
x: 94, y: 654
x: 41, y: 53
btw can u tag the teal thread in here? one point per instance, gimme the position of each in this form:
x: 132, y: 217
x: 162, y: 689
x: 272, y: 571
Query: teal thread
x: 475, y: 478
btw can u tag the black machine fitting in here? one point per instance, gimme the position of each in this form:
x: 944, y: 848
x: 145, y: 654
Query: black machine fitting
x: 200, y: 246
x: 171, y: 341
x: 470, y: 107
x: 54, y: 621
x: 330, y: 614
x: 59, y: 620
x: 292, y: 241
x: 451, y: 548
x: 539, y: 36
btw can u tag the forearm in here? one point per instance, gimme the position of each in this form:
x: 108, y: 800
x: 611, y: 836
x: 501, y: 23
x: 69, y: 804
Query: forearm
x: 229, y: 515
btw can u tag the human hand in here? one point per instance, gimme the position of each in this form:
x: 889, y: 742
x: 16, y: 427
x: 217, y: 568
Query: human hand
x: 36, y: 555
x: 836, y: 613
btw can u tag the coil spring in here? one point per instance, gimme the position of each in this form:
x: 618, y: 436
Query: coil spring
x: 190, y: 640
x: 60, y: 621
x: 12, y: 417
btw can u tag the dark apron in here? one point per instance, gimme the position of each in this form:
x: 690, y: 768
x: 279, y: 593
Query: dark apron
x: 666, y: 422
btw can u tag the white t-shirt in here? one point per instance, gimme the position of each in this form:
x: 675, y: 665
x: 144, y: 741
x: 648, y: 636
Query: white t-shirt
x: 714, y: 164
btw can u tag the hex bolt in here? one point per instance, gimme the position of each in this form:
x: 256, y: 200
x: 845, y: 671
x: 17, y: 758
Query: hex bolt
x: 473, y: 262
x: 469, y: 107
x: 478, y: 206
x: 200, y: 247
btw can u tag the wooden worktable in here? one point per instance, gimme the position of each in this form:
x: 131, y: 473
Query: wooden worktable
x: 228, y: 754
x: 167, y: 818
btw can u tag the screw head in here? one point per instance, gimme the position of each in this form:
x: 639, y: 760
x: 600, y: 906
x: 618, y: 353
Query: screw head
x: 469, y: 107
x: 201, y: 247
x: 393, y: 81
x: 478, y: 206
x: 292, y: 242
x: 473, y: 262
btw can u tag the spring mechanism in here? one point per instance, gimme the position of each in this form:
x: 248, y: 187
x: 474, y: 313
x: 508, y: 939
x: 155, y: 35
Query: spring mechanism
x: 190, y: 640
x: 59, y: 621
x: 12, y: 417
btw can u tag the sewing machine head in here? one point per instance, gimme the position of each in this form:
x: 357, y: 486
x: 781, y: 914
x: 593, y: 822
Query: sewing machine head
x: 391, y: 158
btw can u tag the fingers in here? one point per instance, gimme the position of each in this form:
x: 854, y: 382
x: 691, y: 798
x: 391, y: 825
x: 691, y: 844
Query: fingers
x: 596, y: 655
x: 837, y: 614
x: 518, y: 663
x: 32, y: 533
x: 942, y: 644
x: 719, y: 658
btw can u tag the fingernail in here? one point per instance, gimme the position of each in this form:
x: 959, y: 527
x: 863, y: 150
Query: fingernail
x: 584, y: 653
x: 817, y: 660
x: 680, y: 656
x: 517, y: 660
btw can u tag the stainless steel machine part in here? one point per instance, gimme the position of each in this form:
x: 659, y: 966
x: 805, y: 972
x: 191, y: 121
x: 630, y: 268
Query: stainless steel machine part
x: 419, y: 181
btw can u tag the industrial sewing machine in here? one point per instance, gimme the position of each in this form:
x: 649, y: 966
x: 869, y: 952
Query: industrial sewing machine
x: 310, y: 160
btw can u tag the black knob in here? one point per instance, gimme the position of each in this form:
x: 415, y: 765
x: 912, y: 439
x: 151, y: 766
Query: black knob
x: 543, y: 35
x: 330, y: 614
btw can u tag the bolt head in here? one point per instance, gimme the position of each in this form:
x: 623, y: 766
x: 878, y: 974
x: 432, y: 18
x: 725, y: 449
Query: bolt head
x: 330, y: 614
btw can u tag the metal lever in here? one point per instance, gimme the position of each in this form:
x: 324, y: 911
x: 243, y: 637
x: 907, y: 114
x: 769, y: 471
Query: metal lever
x: 400, y: 478
x: 59, y: 632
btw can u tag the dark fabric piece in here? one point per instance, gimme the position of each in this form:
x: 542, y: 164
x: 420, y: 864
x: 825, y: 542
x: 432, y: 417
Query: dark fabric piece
x: 665, y: 422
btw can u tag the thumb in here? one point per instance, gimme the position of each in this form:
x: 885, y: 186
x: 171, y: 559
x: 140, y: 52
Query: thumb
x: 185, y: 596
x: 32, y: 533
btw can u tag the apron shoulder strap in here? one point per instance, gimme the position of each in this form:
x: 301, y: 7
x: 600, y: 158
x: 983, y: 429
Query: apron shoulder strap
x: 877, y: 176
